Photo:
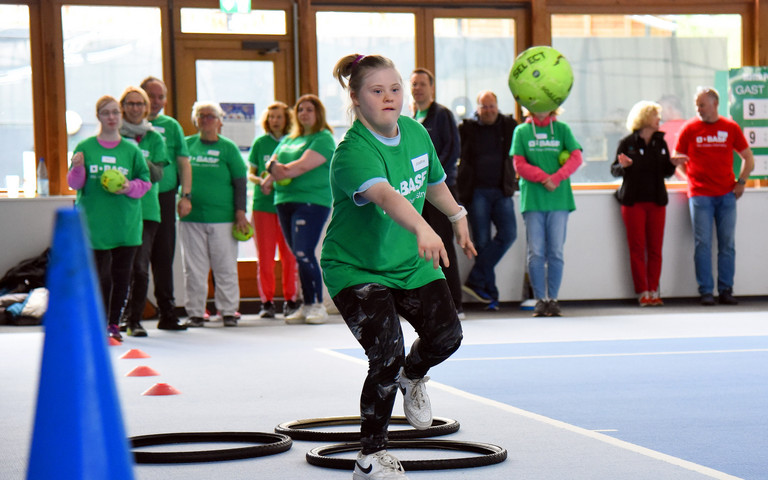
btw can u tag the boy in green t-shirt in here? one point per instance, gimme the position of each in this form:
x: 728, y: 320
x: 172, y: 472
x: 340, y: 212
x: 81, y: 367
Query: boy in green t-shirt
x: 381, y: 258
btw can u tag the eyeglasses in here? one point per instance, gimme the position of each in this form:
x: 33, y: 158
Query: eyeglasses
x: 207, y: 116
x: 134, y: 104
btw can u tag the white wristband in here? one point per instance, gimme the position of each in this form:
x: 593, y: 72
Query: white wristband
x: 462, y: 213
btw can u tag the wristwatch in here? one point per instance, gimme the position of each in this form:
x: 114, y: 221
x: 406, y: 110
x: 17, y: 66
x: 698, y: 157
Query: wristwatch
x: 188, y: 196
x: 741, y: 181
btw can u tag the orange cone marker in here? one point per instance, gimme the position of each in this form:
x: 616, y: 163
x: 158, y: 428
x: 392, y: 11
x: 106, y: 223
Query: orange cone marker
x: 142, y: 371
x: 161, y: 389
x: 134, y: 353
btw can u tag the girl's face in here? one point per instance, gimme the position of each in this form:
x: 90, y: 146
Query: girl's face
x: 208, y: 121
x: 134, y: 108
x: 306, y: 115
x: 109, y: 117
x: 276, y: 121
x: 379, y: 101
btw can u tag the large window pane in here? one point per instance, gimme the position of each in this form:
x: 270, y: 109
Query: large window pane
x: 105, y: 50
x: 16, y: 121
x: 343, y: 33
x: 471, y: 55
x: 211, y: 20
x: 619, y: 60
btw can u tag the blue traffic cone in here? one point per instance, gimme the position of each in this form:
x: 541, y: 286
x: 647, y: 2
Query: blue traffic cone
x: 79, y: 432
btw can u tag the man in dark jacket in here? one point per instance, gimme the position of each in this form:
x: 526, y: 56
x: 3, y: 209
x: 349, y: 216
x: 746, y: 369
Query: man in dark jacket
x: 486, y: 182
x: 441, y: 126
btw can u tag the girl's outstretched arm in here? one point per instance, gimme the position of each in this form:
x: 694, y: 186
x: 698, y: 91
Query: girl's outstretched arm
x: 402, y: 212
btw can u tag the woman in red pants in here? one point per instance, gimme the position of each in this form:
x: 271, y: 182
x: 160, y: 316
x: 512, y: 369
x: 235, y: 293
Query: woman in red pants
x: 643, y: 160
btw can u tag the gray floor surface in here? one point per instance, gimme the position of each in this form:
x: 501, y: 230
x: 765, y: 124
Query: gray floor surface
x: 263, y: 373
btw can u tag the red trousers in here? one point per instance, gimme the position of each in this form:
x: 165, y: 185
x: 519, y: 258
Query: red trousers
x: 644, y: 222
x: 268, y: 236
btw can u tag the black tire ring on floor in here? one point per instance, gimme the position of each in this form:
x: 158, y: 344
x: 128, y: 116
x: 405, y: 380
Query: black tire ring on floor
x: 272, y: 443
x: 491, y: 454
x: 299, y: 429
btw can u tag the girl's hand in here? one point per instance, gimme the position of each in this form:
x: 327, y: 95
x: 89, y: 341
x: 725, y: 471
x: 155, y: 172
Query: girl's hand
x: 266, y: 185
x: 431, y: 246
x: 549, y: 184
x: 461, y: 232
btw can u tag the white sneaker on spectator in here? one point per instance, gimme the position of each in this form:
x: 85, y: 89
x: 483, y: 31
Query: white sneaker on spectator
x: 418, y: 410
x: 378, y: 466
x: 298, y: 316
x: 317, y: 314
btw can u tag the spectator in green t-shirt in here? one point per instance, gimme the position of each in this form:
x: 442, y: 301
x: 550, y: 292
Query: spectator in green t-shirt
x: 546, y: 154
x: 113, y: 218
x: 218, y: 207
x: 298, y: 172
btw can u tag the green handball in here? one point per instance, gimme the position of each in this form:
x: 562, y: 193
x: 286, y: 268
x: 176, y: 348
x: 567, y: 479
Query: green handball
x: 113, y: 180
x: 240, y: 236
x: 540, y: 79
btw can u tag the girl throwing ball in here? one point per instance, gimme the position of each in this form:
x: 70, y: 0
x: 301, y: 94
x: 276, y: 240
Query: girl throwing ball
x: 380, y: 258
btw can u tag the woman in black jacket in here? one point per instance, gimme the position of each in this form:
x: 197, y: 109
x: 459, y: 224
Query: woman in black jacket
x: 643, y: 161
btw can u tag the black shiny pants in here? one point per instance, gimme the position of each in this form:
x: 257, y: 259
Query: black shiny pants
x: 372, y: 312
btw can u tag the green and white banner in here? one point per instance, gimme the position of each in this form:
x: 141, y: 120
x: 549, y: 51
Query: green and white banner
x: 748, y: 100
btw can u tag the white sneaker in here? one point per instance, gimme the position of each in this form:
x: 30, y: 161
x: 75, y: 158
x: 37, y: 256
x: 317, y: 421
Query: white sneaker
x: 299, y: 316
x: 317, y: 314
x: 418, y: 410
x: 378, y: 466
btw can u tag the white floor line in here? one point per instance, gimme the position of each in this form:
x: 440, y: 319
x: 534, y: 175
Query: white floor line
x: 694, y: 467
x: 590, y: 355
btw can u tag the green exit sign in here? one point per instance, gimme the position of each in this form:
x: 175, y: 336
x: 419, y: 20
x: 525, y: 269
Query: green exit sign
x: 235, y: 6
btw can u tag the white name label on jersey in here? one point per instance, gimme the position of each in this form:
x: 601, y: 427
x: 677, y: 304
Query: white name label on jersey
x: 420, y: 163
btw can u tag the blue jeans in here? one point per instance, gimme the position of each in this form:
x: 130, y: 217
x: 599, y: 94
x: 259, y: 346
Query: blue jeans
x: 490, y: 206
x: 302, y: 224
x: 545, y: 232
x: 720, y: 211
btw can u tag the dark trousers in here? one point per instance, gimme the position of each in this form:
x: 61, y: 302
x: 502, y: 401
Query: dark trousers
x: 444, y: 228
x: 114, y: 270
x: 372, y: 312
x: 163, y: 250
x: 140, y: 276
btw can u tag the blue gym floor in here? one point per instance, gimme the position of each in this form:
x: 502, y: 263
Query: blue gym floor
x: 704, y: 400
x: 607, y: 392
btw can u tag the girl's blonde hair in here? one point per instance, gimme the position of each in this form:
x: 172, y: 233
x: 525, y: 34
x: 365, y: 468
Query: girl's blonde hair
x: 298, y: 129
x: 355, y: 67
x: 640, y: 114
x: 286, y: 113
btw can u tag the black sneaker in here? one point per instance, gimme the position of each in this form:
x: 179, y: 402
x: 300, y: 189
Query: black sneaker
x: 195, y: 322
x: 290, y: 307
x: 726, y: 297
x: 707, y: 299
x: 553, y: 308
x: 541, y: 308
x: 267, y: 310
x: 135, y: 330
x: 229, y: 320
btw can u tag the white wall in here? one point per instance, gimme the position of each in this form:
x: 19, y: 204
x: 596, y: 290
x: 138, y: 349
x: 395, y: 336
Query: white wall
x: 596, y: 258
